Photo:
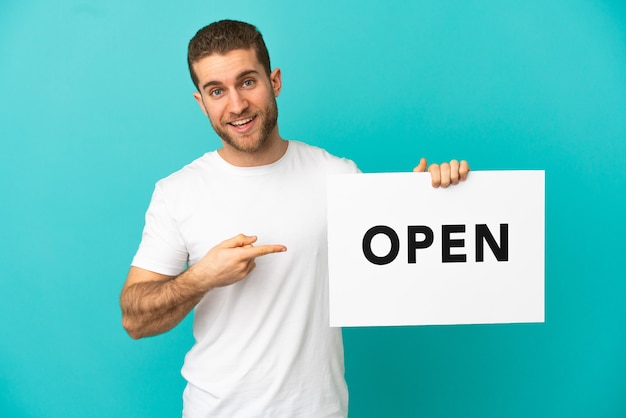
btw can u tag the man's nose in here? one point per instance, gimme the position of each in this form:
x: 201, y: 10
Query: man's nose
x: 238, y: 103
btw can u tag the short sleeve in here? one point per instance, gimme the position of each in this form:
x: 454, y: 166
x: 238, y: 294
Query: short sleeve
x: 162, y: 249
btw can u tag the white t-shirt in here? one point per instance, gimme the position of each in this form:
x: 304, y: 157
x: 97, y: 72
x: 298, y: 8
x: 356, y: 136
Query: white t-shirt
x: 264, y: 347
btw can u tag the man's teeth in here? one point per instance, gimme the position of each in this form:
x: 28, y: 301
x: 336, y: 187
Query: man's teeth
x: 241, y: 122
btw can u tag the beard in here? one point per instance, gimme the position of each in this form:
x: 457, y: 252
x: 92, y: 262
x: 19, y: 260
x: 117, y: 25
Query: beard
x: 256, y: 140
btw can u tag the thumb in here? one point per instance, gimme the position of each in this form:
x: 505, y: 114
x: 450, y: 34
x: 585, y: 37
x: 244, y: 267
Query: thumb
x: 240, y: 240
x: 421, y: 167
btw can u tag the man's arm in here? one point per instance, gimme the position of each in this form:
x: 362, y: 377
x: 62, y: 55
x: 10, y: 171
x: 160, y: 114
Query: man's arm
x: 445, y: 174
x: 154, y: 303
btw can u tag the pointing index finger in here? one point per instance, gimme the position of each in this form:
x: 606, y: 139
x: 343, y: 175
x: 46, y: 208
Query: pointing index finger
x: 261, y: 250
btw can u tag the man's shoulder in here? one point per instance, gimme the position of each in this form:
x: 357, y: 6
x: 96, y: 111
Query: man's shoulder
x: 315, y: 150
x: 189, y: 173
x: 320, y: 156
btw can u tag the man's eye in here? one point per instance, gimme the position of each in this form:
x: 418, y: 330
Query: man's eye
x: 216, y: 92
x: 248, y: 83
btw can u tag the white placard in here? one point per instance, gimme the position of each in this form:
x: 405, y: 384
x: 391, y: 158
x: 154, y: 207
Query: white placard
x: 386, y: 268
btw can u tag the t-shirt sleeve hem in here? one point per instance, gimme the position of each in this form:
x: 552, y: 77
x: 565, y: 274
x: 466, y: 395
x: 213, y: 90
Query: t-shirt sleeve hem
x: 156, y: 267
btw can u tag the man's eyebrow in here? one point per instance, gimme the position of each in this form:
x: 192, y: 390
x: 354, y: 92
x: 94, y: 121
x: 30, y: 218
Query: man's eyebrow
x: 246, y: 73
x: 241, y: 75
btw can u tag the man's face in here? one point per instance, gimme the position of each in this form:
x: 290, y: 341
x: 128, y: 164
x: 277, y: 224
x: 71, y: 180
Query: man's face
x: 239, y: 98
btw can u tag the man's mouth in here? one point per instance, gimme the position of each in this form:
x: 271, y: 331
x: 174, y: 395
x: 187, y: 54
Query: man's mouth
x: 241, y: 123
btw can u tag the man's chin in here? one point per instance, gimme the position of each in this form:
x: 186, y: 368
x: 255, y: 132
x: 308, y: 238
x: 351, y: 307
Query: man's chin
x: 250, y: 146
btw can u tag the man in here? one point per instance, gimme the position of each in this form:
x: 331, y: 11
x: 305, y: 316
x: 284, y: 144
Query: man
x: 263, y: 344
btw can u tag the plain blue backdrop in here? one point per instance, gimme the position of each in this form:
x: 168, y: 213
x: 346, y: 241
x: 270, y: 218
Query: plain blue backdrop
x: 96, y: 106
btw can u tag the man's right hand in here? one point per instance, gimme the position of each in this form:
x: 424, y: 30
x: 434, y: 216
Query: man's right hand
x: 231, y: 260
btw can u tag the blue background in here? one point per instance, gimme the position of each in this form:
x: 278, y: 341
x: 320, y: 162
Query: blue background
x: 96, y: 105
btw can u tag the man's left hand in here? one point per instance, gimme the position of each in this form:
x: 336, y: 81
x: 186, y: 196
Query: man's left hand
x: 444, y: 174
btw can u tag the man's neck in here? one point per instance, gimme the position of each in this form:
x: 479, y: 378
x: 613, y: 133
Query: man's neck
x: 272, y: 151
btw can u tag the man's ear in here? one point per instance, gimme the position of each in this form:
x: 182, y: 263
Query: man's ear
x: 198, y: 98
x: 277, y: 81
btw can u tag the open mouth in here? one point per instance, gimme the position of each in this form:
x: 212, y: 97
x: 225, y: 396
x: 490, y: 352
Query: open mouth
x: 242, y: 124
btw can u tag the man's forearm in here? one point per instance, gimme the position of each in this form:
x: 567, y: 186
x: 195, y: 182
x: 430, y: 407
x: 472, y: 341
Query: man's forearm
x: 154, y: 307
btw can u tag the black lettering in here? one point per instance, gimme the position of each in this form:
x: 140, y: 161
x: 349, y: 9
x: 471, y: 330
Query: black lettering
x: 367, y: 245
x: 447, y: 243
x: 501, y: 252
x: 413, y: 244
